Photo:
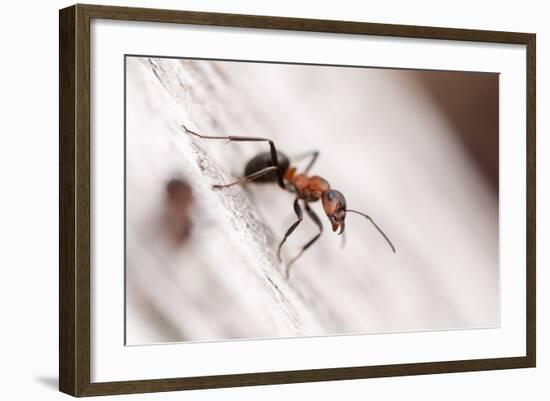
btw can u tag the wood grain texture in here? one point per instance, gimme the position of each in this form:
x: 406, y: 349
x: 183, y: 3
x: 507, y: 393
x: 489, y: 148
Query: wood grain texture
x: 530, y: 263
x: 74, y: 200
x: 74, y: 212
x: 67, y: 294
x: 301, y: 24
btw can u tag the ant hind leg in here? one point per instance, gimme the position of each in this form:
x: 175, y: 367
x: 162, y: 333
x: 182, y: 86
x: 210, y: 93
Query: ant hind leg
x: 314, y: 154
x: 273, y: 150
x: 248, y: 178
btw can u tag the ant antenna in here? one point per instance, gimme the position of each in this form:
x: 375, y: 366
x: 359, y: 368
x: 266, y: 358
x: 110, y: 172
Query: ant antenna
x: 375, y: 225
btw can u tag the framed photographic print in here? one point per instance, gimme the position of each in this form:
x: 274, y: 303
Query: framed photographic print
x: 250, y: 200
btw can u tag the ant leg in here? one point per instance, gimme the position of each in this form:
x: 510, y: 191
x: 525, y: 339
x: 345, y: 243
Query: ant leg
x: 313, y: 216
x: 250, y: 177
x: 273, y: 150
x: 314, y: 154
x: 298, y: 211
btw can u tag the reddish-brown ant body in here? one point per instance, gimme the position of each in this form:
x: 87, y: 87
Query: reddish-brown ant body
x: 274, y: 167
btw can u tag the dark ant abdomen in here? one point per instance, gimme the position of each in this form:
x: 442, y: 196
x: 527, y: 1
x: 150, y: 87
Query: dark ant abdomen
x: 262, y: 161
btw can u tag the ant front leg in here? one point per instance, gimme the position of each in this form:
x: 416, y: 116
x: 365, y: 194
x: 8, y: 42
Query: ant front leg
x: 299, y: 214
x: 273, y: 151
x: 313, y: 216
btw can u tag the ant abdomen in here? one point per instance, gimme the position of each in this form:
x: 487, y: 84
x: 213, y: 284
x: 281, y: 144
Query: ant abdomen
x: 262, y: 161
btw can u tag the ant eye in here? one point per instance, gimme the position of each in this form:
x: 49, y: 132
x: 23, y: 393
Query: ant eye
x: 338, y: 195
x: 330, y: 195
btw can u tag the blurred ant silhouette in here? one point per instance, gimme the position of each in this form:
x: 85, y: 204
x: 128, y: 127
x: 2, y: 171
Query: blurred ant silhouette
x: 274, y: 167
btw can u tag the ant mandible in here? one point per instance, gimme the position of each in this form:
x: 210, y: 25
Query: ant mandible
x: 274, y: 166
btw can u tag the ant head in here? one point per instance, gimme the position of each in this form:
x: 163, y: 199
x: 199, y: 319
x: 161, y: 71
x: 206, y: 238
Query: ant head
x: 334, y: 204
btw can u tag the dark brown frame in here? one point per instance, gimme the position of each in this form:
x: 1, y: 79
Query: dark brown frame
x: 74, y: 199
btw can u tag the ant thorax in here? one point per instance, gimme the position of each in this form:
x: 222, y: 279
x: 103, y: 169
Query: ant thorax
x: 309, y: 188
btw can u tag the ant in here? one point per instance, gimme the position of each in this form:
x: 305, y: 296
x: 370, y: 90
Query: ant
x: 274, y: 167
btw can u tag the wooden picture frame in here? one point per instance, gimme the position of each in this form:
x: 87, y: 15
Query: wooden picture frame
x: 75, y: 208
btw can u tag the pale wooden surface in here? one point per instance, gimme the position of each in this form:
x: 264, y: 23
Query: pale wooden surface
x: 383, y: 143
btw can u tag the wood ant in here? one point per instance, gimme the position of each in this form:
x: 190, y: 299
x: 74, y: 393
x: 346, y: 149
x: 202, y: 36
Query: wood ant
x: 274, y: 167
